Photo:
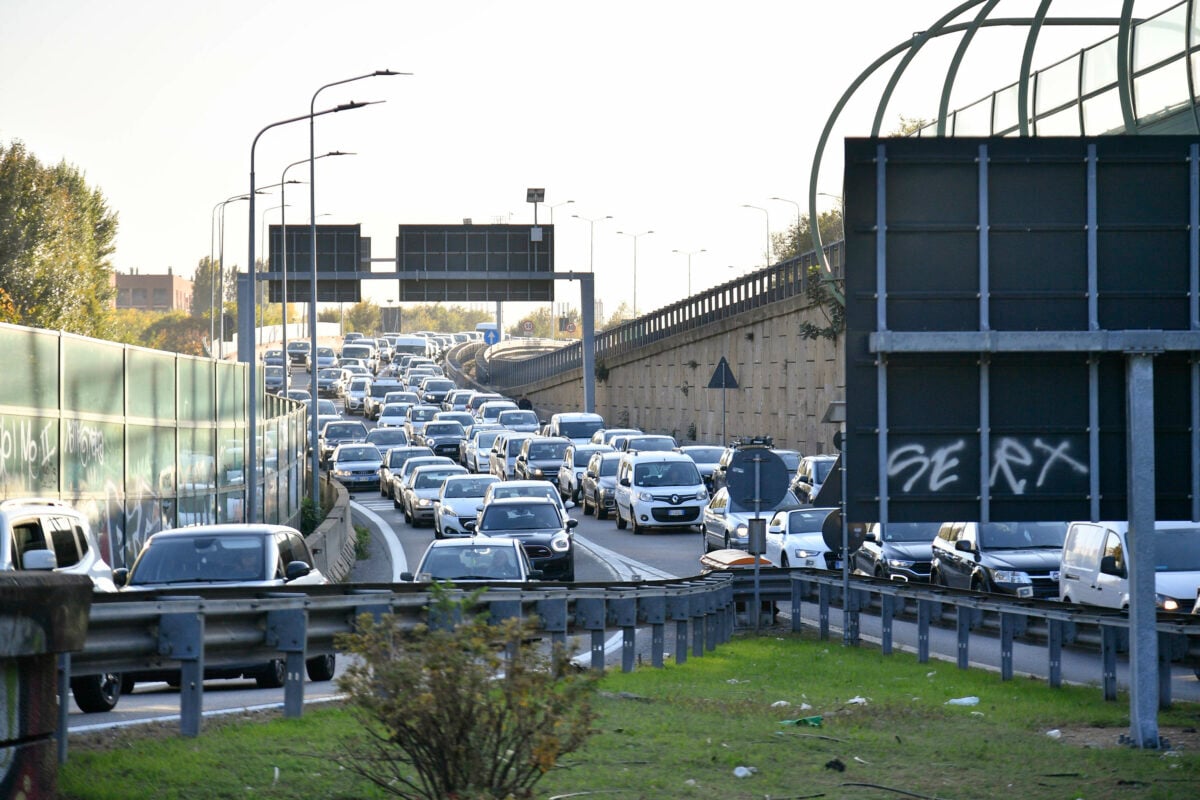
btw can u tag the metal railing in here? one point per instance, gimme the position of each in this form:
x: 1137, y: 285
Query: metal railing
x: 216, y: 627
x: 772, y: 284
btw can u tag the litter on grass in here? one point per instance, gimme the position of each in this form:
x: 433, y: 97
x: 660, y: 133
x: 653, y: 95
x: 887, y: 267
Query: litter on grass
x: 964, y: 701
x: 812, y: 722
x: 744, y: 772
x: 857, y: 701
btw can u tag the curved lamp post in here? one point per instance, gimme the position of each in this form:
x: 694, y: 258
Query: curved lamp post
x: 214, y: 295
x: 634, y: 236
x: 592, y: 237
x: 252, y: 389
x: 797, y: 205
x: 689, y: 254
x: 767, y: 214
x: 315, y: 468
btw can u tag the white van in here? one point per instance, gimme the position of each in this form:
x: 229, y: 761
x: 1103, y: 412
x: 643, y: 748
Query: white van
x: 576, y: 426
x: 659, y: 490
x: 1095, y: 568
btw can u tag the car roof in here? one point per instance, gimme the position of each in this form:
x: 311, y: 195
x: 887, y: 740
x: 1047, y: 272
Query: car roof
x: 227, y: 529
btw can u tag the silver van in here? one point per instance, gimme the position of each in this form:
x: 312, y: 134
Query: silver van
x: 1095, y: 566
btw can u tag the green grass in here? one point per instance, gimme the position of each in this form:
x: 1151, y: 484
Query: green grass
x: 680, y: 732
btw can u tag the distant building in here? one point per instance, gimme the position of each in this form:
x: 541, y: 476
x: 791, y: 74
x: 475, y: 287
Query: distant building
x: 154, y: 292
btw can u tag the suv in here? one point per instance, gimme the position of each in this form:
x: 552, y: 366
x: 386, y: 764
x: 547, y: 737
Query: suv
x: 659, y: 489
x: 41, y: 534
x: 1016, y: 558
x: 810, y: 476
x: 540, y: 458
x: 898, y: 551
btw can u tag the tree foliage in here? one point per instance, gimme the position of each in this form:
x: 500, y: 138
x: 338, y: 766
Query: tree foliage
x: 797, y: 239
x: 461, y: 708
x: 56, y: 237
x: 206, y: 283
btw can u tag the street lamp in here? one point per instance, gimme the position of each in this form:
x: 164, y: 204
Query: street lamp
x: 797, y: 205
x: 287, y: 362
x: 556, y: 205
x: 689, y: 254
x: 634, y: 236
x: 261, y: 307
x: 767, y: 214
x: 841, y: 201
x: 312, y: 233
x: 592, y: 238
x: 214, y: 294
x: 251, y: 346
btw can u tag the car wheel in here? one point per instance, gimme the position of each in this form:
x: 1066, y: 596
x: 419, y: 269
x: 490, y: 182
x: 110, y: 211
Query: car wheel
x: 978, y: 584
x: 396, y: 503
x: 727, y: 545
x: 621, y: 523
x: 783, y: 561
x: 601, y: 511
x: 97, y: 693
x: 321, y: 668
x: 382, y: 491
x: 638, y: 530
x: 272, y: 676
x: 577, y: 495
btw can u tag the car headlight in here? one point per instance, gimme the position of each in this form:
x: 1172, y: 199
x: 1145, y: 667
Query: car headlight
x: 1166, y: 603
x: 447, y: 511
x: 645, y: 497
x: 702, y: 494
x: 1010, y: 576
x: 561, y: 543
x: 805, y: 553
x: 536, y: 471
x: 741, y: 531
x: 900, y: 562
x: 431, y: 442
x: 341, y: 473
x: 424, y: 502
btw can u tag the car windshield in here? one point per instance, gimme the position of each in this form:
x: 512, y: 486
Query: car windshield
x: 517, y: 417
x: 325, y: 352
x: 444, y: 429
x: 1021, y: 535
x: 582, y: 429
x: 472, y: 487
x: 807, y: 520
x: 430, y: 479
x: 1177, y: 550
x: 348, y: 430
x: 911, y: 531
x: 439, y: 385
x: 520, y: 518
x: 548, y: 450
x: 608, y: 466
x: 358, y: 454
x: 200, y: 559
x: 470, y: 562
x: 652, y: 443
x: 387, y: 436
x: 745, y: 505
x: 582, y: 457
x: 273, y: 372
x: 791, y: 459
x: 396, y: 458
x: 514, y: 446
x: 326, y: 407
x: 704, y: 455
x: 501, y: 492
x: 666, y: 473
x: 331, y: 374
x: 418, y: 414
x: 485, y: 439
x: 359, y: 385
x: 394, y: 410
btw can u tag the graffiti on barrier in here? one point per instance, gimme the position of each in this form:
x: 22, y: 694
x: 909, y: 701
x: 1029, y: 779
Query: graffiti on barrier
x: 28, y: 453
x: 1014, y: 464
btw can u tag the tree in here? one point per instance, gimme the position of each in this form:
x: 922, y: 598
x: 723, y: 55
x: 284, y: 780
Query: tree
x: 797, y: 239
x: 56, y: 236
x: 461, y: 708
x: 621, y: 315
x: 363, y: 317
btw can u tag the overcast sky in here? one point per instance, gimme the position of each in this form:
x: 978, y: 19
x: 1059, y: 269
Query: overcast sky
x: 668, y: 116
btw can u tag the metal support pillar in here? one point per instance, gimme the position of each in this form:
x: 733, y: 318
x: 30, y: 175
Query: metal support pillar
x: 887, y: 614
x: 924, y: 612
x: 1008, y: 627
x: 963, y: 628
x: 587, y: 299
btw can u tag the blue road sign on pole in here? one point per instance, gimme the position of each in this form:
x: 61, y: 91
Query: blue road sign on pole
x: 491, y: 336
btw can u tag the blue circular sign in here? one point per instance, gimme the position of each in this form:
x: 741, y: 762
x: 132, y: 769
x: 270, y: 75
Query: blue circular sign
x: 491, y: 336
x: 757, y: 479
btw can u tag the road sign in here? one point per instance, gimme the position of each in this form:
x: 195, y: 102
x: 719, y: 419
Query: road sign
x: 491, y: 336
x: 570, y: 327
x: 527, y: 326
x: 723, y: 376
x: 757, y: 478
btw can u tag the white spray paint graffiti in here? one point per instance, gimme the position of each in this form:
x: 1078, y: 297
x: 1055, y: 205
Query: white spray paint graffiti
x: 1012, y: 461
x: 85, y: 443
x: 25, y: 454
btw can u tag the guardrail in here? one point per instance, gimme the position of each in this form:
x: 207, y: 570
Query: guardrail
x: 768, y: 285
x: 228, y: 626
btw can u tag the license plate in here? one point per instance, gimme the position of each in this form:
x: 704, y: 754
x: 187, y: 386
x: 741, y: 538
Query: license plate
x: 674, y: 512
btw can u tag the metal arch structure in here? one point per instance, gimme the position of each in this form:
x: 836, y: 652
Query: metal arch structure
x: 1125, y: 25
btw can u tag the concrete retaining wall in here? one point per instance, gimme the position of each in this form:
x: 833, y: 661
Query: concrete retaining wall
x: 333, y: 541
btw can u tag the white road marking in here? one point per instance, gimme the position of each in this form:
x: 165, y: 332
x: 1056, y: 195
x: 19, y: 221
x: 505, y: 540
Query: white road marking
x: 399, y: 561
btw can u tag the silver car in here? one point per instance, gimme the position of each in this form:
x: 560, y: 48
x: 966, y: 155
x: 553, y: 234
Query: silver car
x: 727, y: 524
x: 457, y: 501
x: 422, y: 489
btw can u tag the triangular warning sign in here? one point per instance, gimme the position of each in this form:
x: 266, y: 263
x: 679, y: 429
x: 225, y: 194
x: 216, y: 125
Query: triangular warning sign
x: 723, y: 376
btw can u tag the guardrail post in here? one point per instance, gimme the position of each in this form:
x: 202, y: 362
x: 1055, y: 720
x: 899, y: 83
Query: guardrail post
x: 728, y: 611
x: 622, y: 611
x: 679, y: 609
x: 590, y: 615
x: 181, y: 638
x: 287, y: 631
x: 887, y: 613
x: 376, y: 610
x: 963, y: 629
x: 64, y: 704
x: 1108, y: 661
x: 711, y: 607
x: 850, y: 616
x: 1008, y: 627
x: 1054, y: 645
x: 499, y: 611
x: 924, y: 612
x: 652, y: 610
x: 552, y: 611
x: 799, y: 589
x: 823, y: 591
x: 696, y: 608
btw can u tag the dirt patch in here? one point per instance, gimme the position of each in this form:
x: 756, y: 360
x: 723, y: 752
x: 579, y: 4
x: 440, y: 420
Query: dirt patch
x: 1185, y: 740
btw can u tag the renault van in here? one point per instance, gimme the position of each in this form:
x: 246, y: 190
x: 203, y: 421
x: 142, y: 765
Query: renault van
x: 659, y: 490
x: 1095, y: 565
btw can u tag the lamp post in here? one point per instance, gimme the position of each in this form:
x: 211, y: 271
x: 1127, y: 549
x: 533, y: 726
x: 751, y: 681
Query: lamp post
x: 797, y: 205
x: 287, y: 362
x: 689, y: 254
x: 214, y: 306
x: 634, y: 236
x: 250, y: 348
x: 766, y: 214
x: 841, y: 201
x: 261, y: 306
x: 592, y: 237
x: 556, y: 205
x: 315, y: 468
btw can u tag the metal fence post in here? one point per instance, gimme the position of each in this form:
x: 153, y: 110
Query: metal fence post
x: 287, y: 631
x: 652, y: 610
x: 887, y: 614
x: 590, y: 615
x: 181, y: 638
x: 679, y: 609
x: 1008, y: 626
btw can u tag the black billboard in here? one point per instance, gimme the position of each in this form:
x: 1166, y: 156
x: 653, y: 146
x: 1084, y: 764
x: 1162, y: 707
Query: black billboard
x: 995, y: 289
x: 339, y: 250
x: 475, y: 262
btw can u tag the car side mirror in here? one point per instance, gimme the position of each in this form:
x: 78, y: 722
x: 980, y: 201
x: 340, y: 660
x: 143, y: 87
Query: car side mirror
x: 625, y: 481
x: 964, y: 546
x: 590, y: 474
x: 871, y: 537
x: 720, y: 512
x: 572, y: 524
x: 121, y: 576
x: 1108, y: 566
x: 406, y: 577
x: 296, y: 569
x: 469, y: 524
x: 776, y: 529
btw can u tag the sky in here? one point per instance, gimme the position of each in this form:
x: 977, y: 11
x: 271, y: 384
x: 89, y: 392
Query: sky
x: 667, y: 116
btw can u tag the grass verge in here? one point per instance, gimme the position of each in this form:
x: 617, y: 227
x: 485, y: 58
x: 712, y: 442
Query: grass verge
x: 681, y: 732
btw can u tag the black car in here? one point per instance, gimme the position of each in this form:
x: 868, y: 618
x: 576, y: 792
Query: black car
x: 540, y: 458
x: 900, y: 551
x: 1021, y: 558
x: 443, y: 438
x: 540, y: 524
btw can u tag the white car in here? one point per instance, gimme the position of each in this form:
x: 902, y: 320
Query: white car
x: 356, y: 395
x: 479, y: 558
x: 659, y: 490
x: 794, y: 539
x: 392, y: 415
x: 458, y: 500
